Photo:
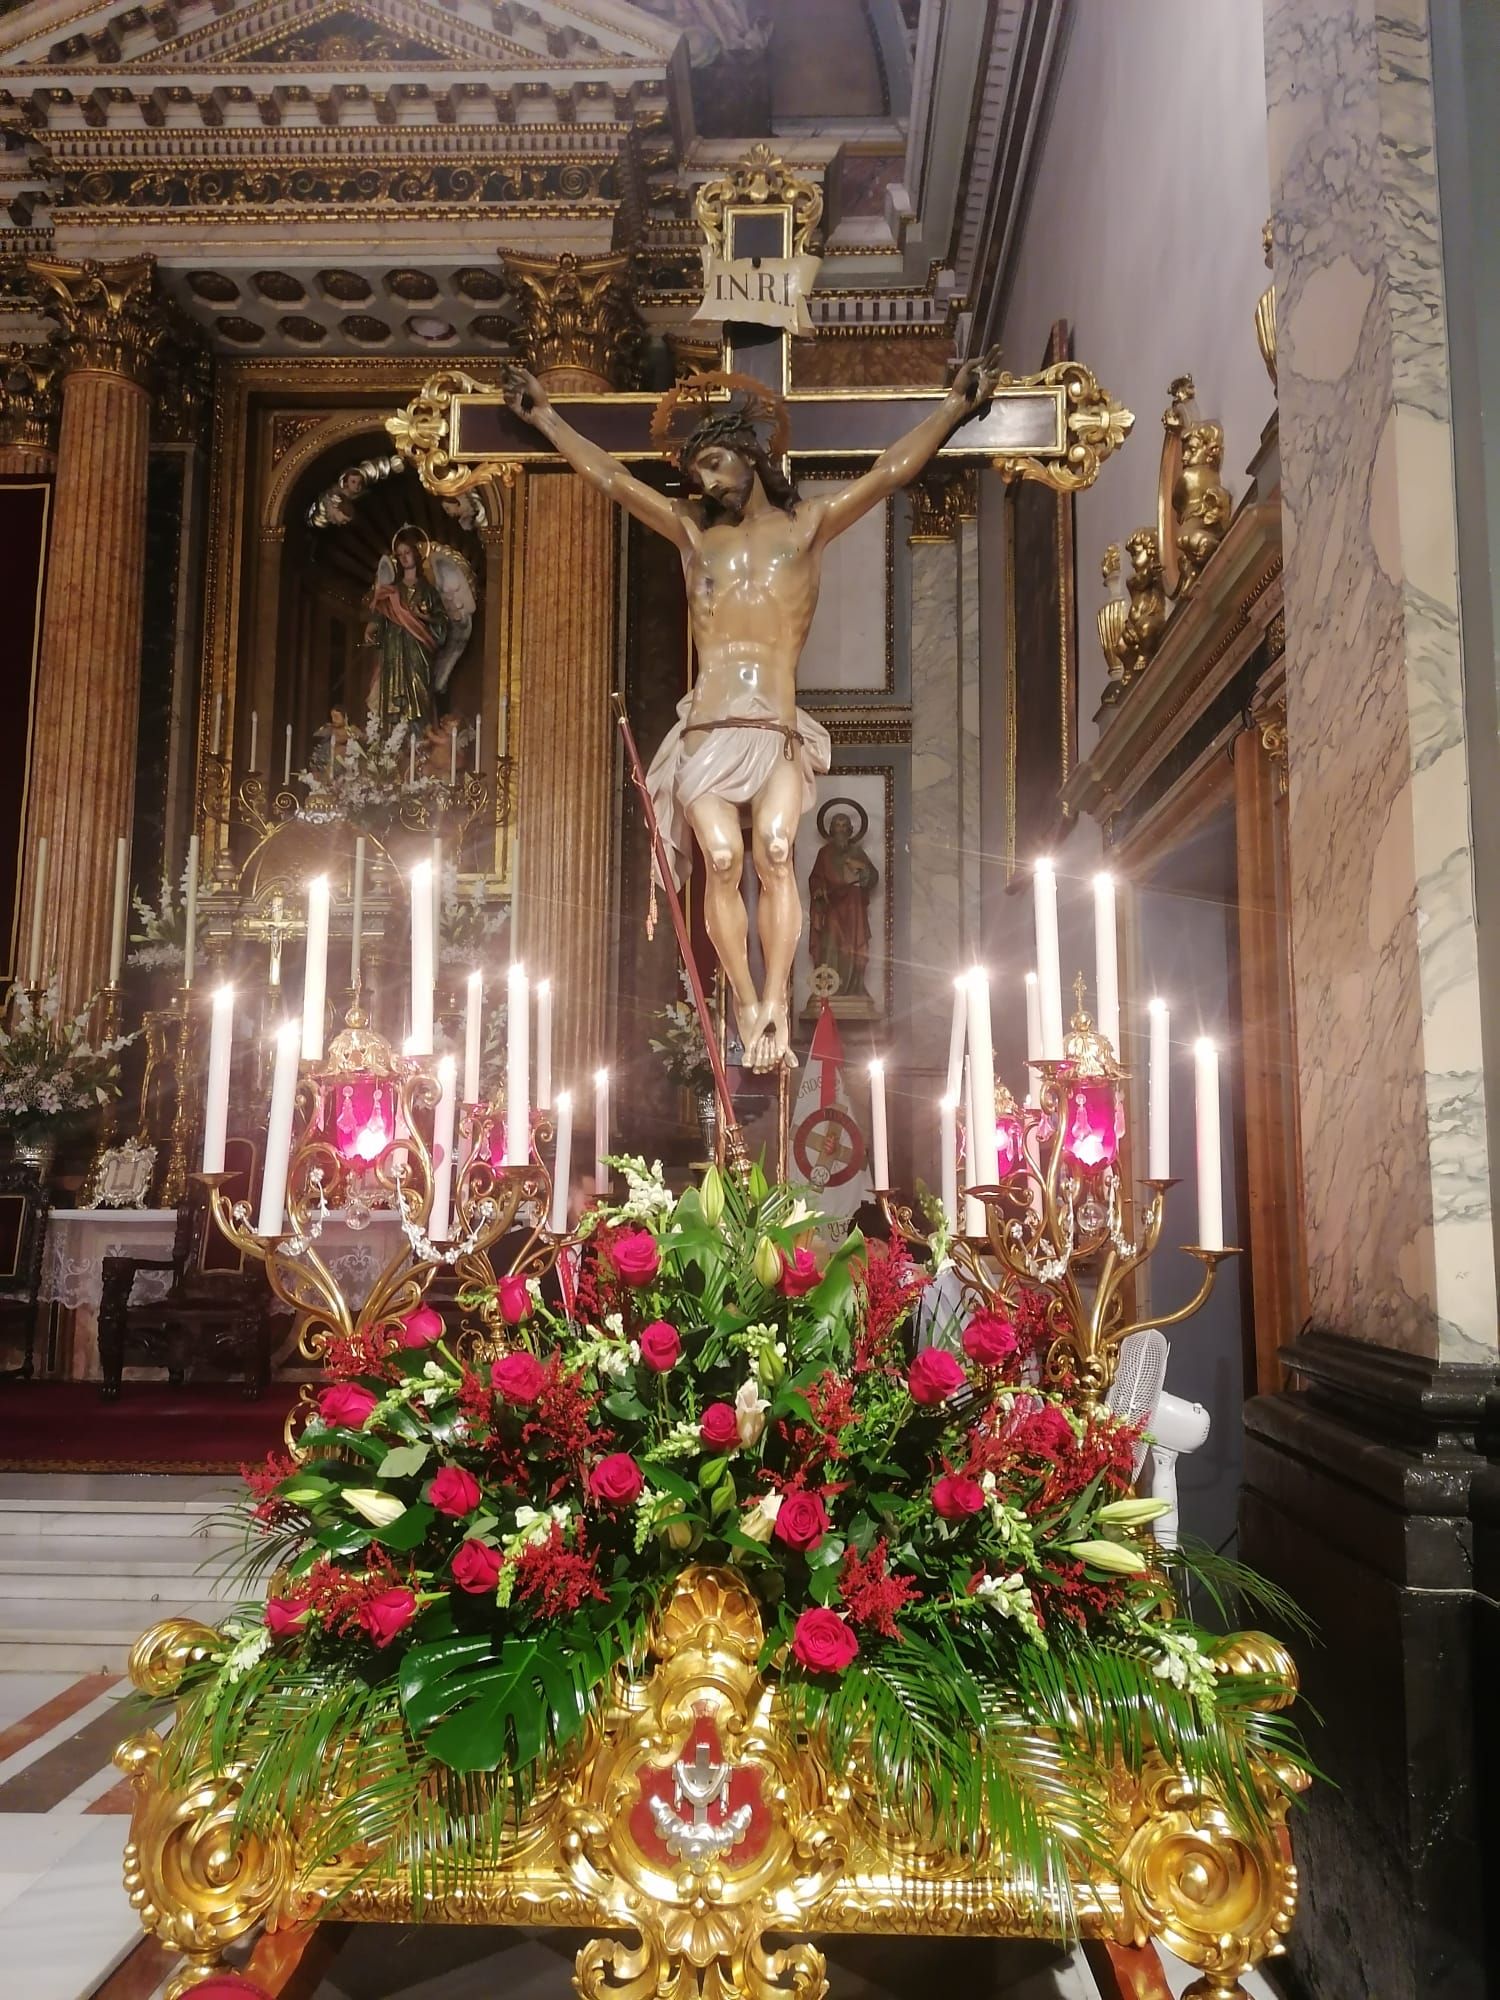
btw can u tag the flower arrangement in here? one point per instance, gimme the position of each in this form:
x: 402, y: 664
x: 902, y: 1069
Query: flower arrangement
x: 683, y: 1051
x: 50, y: 1071
x: 160, y: 935
x: 366, y: 781
x: 949, y: 1561
x: 469, y: 926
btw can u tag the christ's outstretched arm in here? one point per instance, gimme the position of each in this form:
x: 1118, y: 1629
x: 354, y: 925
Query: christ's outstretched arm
x: 526, y: 396
x: 900, y: 463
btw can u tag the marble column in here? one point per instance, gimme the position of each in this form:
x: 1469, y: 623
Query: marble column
x: 83, y: 760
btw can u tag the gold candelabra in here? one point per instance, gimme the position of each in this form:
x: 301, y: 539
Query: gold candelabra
x: 110, y: 1006
x: 174, y: 1181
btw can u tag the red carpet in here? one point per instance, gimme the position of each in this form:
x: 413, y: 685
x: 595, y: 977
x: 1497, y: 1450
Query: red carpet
x: 65, y: 1427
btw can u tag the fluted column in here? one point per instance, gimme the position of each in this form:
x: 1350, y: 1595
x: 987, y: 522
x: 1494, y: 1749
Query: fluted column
x: 83, y: 757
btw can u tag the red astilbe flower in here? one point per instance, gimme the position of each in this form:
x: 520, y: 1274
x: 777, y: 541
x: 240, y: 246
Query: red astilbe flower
x: 1062, y: 1591
x: 367, y: 1351
x: 553, y: 1579
x: 810, y: 1446
x: 476, y: 1402
x: 1106, y: 1447
x: 870, y: 1594
x: 270, y: 1509
x: 561, y: 1425
x: 889, y: 1286
x: 600, y: 1288
x: 339, y: 1595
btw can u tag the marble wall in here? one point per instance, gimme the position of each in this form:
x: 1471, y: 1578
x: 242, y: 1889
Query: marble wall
x: 1388, y: 996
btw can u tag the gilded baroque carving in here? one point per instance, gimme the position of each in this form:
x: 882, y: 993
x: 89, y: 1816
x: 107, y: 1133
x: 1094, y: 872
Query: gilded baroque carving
x: 545, y: 187
x: 1094, y: 423
x: 576, y: 313
x: 109, y: 318
x: 762, y: 177
x: 941, y: 500
x: 1265, y: 309
x: 1112, y: 615
x: 1193, y: 504
x: 1147, y: 617
x: 29, y: 374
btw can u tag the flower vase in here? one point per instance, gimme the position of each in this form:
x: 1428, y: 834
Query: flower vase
x: 36, y: 1150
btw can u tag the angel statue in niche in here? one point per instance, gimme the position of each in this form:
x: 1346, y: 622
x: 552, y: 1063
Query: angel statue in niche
x: 421, y: 612
x: 752, y: 554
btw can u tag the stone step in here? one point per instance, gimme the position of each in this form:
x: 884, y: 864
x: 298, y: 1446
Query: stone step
x: 87, y: 1507
x: 54, y: 1635
x: 147, y: 1569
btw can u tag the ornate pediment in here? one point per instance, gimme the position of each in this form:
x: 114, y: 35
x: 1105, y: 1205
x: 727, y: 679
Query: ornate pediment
x: 330, y: 34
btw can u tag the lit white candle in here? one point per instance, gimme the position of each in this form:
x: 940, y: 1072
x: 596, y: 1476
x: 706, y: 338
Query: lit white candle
x: 1106, y: 962
x: 1033, y: 1038
x: 1048, y: 961
x: 315, y: 969
x: 216, y: 1096
x: 984, y: 1156
x: 218, y: 720
x: 544, y: 1043
x: 973, y: 1210
x: 1210, y: 1172
x: 1158, y: 1121
x: 562, y: 1165
x: 477, y: 721
x: 254, y: 740
x: 601, y: 1133
x: 357, y: 913
x: 880, y: 1154
x: 442, y: 1149
x: 190, y: 918
x: 421, y: 957
x: 471, y: 1037
x: 437, y: 899
x: 279, y: 1129
x: 38, y: 912
x: 956, y: 1033
x: 453, y: 758
x: 286, y: 762
x: 517, y: 1068
x: 948, y: 1147
x: 122, y: 910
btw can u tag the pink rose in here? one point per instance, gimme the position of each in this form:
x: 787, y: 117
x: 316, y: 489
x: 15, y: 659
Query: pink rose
x: 454, y: 1491
x: 799, y: 1274
x: 933, y: 1376
x: 477, y: 1567
x: 719, y: 1427
x: 422, y: 1328
x: 635, y: 1256
x: 955, y: 1497
x: 617, y: 1480
x: 989, y: 1339
x: 802, y: 1522
x: 661, y: 1346
x: 387, y: 1613
x: 515, y: 1300
x: 823, y: 1642
x: 346, y: 1406
x: 285, y: 1616
x: 518, y: 1377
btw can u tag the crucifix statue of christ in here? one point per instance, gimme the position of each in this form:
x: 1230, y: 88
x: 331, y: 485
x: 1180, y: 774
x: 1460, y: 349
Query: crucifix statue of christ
x: 752, y: 554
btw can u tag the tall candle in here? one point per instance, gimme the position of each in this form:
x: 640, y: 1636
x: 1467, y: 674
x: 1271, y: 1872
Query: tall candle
x: 442, y: 1149
x: 517, y: 1068
x: 122, y: 909
x: 973, y: 1210
x: 477, y: 720
x: 502, y: 728
x: 601, y: 1132
x: 216, y: 1096
x: 1106, y: 962
x: 357, y: 914
x: 948, y: 1147
x: 471, y: 1037
x: 984, y: 1152
x: 562, y: 1165
x: 411, y: 759
x: 315, y: 969
x: 421, y: 957
x: 880, y: 1154
x: 286, y: 762
x: 453, y: 758
x: 437, y: 899
x: 1210, y: 1170
x: 1158, y: 1125
x: 190, y: 918
x: 956, y: 1033
x: 254, y: 740
x: 279, y: 1129
x: 1033, y: 1038
x: 1048, y: 960
x: 38, y: 912
x: 544, y: 1043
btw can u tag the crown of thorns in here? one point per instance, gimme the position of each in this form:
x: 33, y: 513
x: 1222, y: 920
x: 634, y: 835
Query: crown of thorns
x: 690, y: 417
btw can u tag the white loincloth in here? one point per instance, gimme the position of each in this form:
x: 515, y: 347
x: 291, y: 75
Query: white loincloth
x: 726, y: 763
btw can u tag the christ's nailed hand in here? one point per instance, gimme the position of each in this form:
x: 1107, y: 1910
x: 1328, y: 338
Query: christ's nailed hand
x: 524, y: 394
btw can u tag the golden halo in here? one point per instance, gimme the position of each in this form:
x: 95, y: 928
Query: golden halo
x: 686, y: 405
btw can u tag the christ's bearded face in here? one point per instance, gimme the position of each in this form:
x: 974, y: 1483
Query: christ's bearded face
x: 723, y: 476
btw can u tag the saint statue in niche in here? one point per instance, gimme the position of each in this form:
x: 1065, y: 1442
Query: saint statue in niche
x: 840, y: 886
x: 421, y: 612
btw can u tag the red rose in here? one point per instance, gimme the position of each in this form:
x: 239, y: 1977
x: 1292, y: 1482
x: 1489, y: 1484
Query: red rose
x: 421, y: 1328
x: 661, y: 1346
x: 955, y: 1497
x: 635, y: 1256
x: 387, y: 1613
x: 515, y: 1300
x: 719, y: 1427
x: 477, y: 1567
x: 799, y: 1274
x: 802, y: 1522
x: 518, y: 1377
x: 1047, y: 1430
x: 933, y: 1376
x: 989, y: 1339
x: 285, y: 1615
x: 346, y: 1405
x: 617, y: 1480
x: 454, y: 1491
x: 823, y: 1642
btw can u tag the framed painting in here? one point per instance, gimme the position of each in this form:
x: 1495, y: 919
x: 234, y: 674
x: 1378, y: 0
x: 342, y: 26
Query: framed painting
x: 846, y: 848
x: 850, y: 654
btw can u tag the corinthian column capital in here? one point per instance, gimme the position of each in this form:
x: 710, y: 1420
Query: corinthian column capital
x: 109, y: 316
x: 28, y: 395
x: 579, y: 327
